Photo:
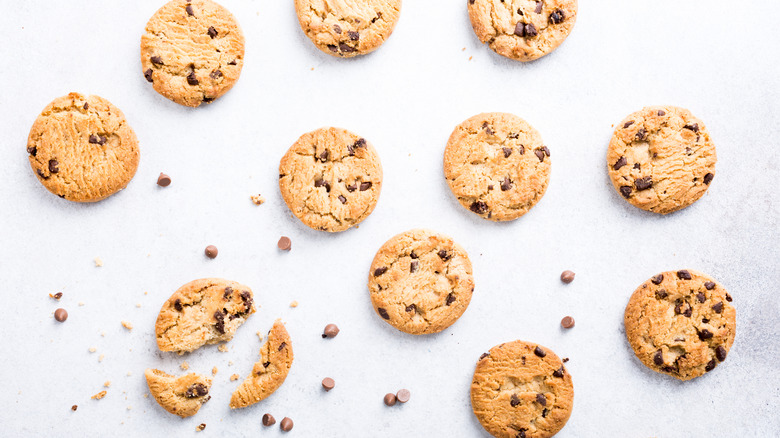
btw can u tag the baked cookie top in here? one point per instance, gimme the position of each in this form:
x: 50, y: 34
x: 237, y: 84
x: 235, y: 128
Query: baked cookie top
x: 182, y: 395
x: 420, y: 282
x: 331, y: 179
x: 268, y: 374
x: 523, y: 30
x: 661, y: 159
x: 521, y: 390
x: 497, y: 166
x: 82, y: 149
x: 201, y: 312
x: 192, y: 51
x: 680, y: 323
x: 348, y: 28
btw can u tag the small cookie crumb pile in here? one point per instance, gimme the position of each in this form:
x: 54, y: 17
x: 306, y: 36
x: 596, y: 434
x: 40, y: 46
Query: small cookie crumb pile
x: 257, y: 199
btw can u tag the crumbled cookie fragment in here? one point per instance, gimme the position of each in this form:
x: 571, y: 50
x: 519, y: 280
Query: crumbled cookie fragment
x: 179, y: 395
x: 56, y: 296
x: 268, y: 374
x: 200, y: 427
x: 184, y: 366
x: 257, y: 199
x: 214, y: 371
x: 107, y: 383
x: 99, y: 395
x: 223, y: 348
x: 234, y: 377
x: 127, y: 325
x: 294, y: 304
x: 98, y: 262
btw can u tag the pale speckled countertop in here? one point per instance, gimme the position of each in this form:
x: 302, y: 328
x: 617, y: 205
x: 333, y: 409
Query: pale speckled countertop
x: 716, y: 58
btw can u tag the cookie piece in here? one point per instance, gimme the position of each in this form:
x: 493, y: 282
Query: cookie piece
x: 82, y: 149
x: 192, y: 51
x: 348, y: 29
x: 680, y: 323
x: 661, y: 159
x: 521, y: 390
x: 420, y: 282
x: 182, y: 395
x: 276, y: 357
x: 497, y: 166
x: 331, y: 179
x: 201, y: 312
x: 523, y: 30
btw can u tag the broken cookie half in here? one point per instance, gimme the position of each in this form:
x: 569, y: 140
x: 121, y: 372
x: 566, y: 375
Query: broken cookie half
x: 276, y: 357
x: 182, y: 395
x: 205, y: 311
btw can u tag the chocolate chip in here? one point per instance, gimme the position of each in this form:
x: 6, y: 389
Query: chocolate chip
x: 189, y: 10
x: 286, y: 425
x: 705, y: 334
x: 557, y: 17
x: 365, y: 185
x: 345, y: 48
x: 530, y: 30
x: 354, y: 36
x: 539, y: 351
x: 212, y: 32
x: 40, y: 173
x: 658, y: 357
x: 201, y: 426
x: 414, y: 266
x: 208, y: 99
x: 322, y: 183
x: 333, y: 48
x: 177, y: 305
x: 74, y: 407
x: 342, y: 199
x: 641, y: 134
x: 281, y: 346
x: 148, y: 75
x: 728, y: 298
x: 58, y: 295
x: 620, y: 163
x: 661, y: 294
x: 721, y: 353
x: 383, y: 313
x: 718, y: 307
x: 693, y: 127
x: 708, y: 178
x: 701, y: 297
x: 506, y: 184
x: 626, y: 191
x: 403, y: 395
x: 541, y: 399
x: 196, y: 390
x: 211, y: 251
x: 156, y: 60
x: 220, y: 324
x: 98, y: 139
x: 483, y: 355
x: 337, y: 29
x: 61, y: 315
x: 390, y: 399
x: 444, y: 255
x: 709, y: 285
x: 683, y: 275
x: 413, y: 255
x: 450, y: 298
x: 265, y: 365
x: 546, y: 150
x: 710, y: 365
x: 479, y: 207
x: 521, y: 148
x: 284, y: 243
x: 216, y: 74
x: 627, y: 124
x: 380, y: 271
x: 507, y: 152
x: 54, y: 166
x: 233, y: 62
x: 567, y: 276
x: 705, y: 320
x: 514, y: 400
x: 328, y: 384
x: 643, y: 183
x: 661, y: 112
x: 378, y: 16
x: 539, y: 6
x: 567, y: 322
x: 331, y: 330
x: 191, y: 79
x: 32, y: 150
x: 351, y: 188
x: 558, y: 372
x: 411, y: 308
x: 163, y: 180
x: 86, y: 106
x: 268, y: 420
x: 657, y: 279
x: 539, y: 154
x: 246, y: 298
x: 520, y: 29
x: 637, y: 166
x: 323, y: 156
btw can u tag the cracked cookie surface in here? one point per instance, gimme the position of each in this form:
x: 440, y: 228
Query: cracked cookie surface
x: 205, y: 311
x: 521, y: 390
x: 347, y: 28
x: 268, y: 374
x: 680, y: 323
x: 331, y: 179
x: 192, y: 51
x: 661, y: 159
x: 523, y: 30
x: 179, y: 395
x: 497, y: 166
x: 420, y: 282
x: 82, y: 149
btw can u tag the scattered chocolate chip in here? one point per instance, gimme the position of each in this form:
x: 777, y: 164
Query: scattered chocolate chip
x: 342, y: 199
x: 643, y: 183
x: 32, y: 150
x: 177, y: 305
x: 567, y: 276
x: 351, y: 188
x: 626, y: 191
x: 661, y: 294
x: 284, y: 243
x: 721, y: 353
x: 541, y: 399
x: 567, y: 322
x: 514, y: 400
x: 658, y: 357
x: 444, y: 255
x: 61, y: 315
x: 683, y: 275
x: 557, y: 17
x: 74, y: 407
x: 661, y: 112
x: 701, y: 297
x: 281, y: 346
x: 710, y: 365
x: 539, y: 154
x: 196, y: 390
x: 413, y: 255
x: 383, y: 313
x: 708, y: 178
x: 86, y: 106
x: 506, y: 184
x: 268, y: 420
x: 627, y: 124
x: 233, y: 62
x: 40, y: 173
x: 58, y: 295
x: 530, y: 30
x: 450, y: 298
x: 189, y: 10
x: 208, y: 99
x: 709, y: 285
x: 211, y: 251
x: 637, y: 166
x: 507, y: 152
x: 331, y: 330
x: 539, y: 351
x: 365, y: 185
x: 718, y: 307
x: 520, y: 28
x: 286, y: 425
x: 559, y: 372
x: 705, y: 320
x: 657, y: 279
x: 705, y: 334
x: 620, y: 163
x: 246, y: 298
x: 694, y: 127
x: 212, y: 32
x: 546, y: 150
x: 539, y: 6
x: 354, y: 36
x: 414, y: 266
x: 201, y: 426
x: 98, y: 139
x: 220, y: 321
x: 148, y: 75
x: 163, y: 180
x: 54, y: 166
x: 390, y: 399
x: 191, y: 79
x: 337, y: 29
x: 344, y: 48
x: 328, y: 384
x: 216, y: 74
x: 333, y: 48
x: 380, y: 271
x: 479, y: 207
x: 641, y: 134
x: 728, y: 298
x: 411, y: 308
x: 156, y: 60
x: 403, y: 395
x: 483, y: 355
x: 265, y: 365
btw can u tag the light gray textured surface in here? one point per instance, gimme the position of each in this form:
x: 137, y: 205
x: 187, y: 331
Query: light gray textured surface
x: 716, y: 58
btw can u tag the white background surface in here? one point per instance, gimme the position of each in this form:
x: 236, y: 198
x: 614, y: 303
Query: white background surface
x: 715, y: 57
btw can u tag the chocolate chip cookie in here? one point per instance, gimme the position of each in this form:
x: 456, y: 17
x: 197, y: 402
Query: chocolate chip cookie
x: 681, y: 323
x: 276, y: 357
x: 524, y: 30
x: 201, y: 312
x: 420, y: 282
x: 192, y: 51
x: 521, y: 390
x: 331, y: 179
x: 348, y: 29
x: 82, y: 149
x: 661, y: 159
x: 497, y: 165
x: 182, y: 395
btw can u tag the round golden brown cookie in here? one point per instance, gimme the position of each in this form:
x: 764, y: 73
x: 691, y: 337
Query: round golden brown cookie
x: 192, y: 51
x: 420, y: 282
x: 524, y: 30
x: 182, y: 395
x: 331, y: 179
x: 661, y: 159
x: 348, y: 28
x: 82, y: 149
x: 268, y: 374
x: 680, y: 323
x: 521, y: 390
x: 497, y: 166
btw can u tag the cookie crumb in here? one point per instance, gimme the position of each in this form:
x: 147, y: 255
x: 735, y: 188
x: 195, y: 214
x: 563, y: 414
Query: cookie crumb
x: 99, y: 395
x: 103, y: 334
x: 257, y: 199
x: 98, y: 262
x: 127, y: 325
x: 101, y: 357
x: 138, y: 305
x: 294, y: 303
x: 214, y: 371
x: 470, y: 58
x: 234, y: 377
x: 107, y: 384
x: 230, y: 364
x: 200, y: 427
x: 81, y: 303
x: 184, y: 366
x: 92, y: 349
x: 129, y: 407
x: 223, y: 348
x: 129, y: 373
x: 56, y: 296
x: 260, y: 336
